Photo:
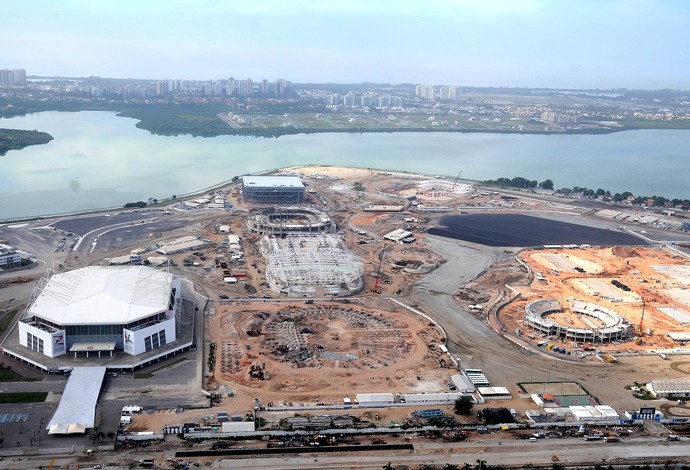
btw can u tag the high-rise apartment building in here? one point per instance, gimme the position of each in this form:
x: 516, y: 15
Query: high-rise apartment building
x: 245, y: 87
x: 230, y: 87
x: 19, y: 77
x: 6, y: 78
x: 281, y: 87
x: 162, y: 87
x: 383, y: 101
x: 454, y: 93
x: 425, y: 92
x: 333, y: 99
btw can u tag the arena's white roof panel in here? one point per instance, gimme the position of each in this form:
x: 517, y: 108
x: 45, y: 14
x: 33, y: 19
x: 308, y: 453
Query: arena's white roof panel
x: 103, y: 295
x: 272, y: 181
x: 77, y: 408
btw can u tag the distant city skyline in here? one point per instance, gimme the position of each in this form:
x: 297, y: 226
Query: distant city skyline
x: 511, y: 43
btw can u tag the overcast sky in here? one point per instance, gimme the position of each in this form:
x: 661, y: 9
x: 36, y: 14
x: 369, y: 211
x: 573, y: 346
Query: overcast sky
x: 531, y: 43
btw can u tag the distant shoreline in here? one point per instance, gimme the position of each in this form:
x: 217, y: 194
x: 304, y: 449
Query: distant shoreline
x: 200, y: 122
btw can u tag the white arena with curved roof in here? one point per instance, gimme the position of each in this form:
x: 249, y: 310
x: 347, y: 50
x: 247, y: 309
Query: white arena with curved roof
x: 101, y: 309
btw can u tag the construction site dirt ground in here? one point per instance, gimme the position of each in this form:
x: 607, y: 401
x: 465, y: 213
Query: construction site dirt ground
x: 411, y: 361
x: 339, y: 350
x: 656, y: 277
x: 331, y: 189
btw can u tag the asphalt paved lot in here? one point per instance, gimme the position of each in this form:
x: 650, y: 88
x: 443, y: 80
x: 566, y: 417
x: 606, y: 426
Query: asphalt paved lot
x: 519, y: 230
x: 124, y: 237
x: 83, y: 225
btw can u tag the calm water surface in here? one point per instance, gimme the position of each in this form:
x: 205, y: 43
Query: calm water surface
x: 100, y: 160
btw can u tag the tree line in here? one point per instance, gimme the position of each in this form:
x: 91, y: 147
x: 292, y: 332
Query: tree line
x: 523, y: 183
x: 17, y: 139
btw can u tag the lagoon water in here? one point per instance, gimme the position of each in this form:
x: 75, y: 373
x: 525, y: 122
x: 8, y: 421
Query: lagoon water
x: 98, y: 160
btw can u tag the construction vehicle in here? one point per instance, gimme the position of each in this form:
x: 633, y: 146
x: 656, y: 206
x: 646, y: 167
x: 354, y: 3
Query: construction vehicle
x: 609, y: 358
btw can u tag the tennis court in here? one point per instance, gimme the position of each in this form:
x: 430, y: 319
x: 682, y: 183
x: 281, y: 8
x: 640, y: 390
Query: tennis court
x: 573, y: 400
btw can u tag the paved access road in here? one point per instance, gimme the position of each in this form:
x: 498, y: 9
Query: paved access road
x: 81, y: 225
x: 572, y: 451
x: 568, y: 451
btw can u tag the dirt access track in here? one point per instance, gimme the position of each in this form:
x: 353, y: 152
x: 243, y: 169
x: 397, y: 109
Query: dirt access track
x: 321, y: 352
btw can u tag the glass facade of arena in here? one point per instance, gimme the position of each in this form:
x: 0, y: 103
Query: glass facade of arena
x: 274, y: 194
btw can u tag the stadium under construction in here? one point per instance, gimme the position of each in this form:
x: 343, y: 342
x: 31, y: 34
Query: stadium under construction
x: 310, y: 265
x: 598, y: 324
x: 286, y: 220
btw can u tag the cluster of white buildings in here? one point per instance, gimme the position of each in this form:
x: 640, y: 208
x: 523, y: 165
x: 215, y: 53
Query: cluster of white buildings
x: 211, y: 201
x: 558, y: 118
x: 367, y: 100
x: 229, y: 87
x: 443, y: 93
x: 10, y: 257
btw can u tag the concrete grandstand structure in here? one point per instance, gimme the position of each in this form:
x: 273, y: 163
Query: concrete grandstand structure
x: 308, y: 265
x: 441, y: 188
x: 134, y: 309
x: 285, y: 220
x: 273, y: 189
x: 609, y: 325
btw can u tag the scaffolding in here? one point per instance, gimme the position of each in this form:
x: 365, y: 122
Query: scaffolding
x: 609, y: 326
x: 281, y: 221
x: 303, y: 263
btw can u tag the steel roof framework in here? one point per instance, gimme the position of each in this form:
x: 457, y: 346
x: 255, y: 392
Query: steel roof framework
x: 312, y: 260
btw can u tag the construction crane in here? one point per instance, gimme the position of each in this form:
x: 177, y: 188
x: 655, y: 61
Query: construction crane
x: 456, y: 181
x: 376, y: 287
x: 644, y: 304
